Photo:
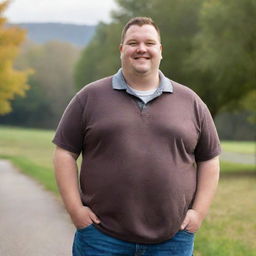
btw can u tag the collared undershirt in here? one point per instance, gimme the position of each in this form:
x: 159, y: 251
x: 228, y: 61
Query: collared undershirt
x: 145, y: 96
x: 165, y: 86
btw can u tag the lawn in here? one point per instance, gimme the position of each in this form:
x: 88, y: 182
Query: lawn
x: 244, y: 147
x: 230, y: 228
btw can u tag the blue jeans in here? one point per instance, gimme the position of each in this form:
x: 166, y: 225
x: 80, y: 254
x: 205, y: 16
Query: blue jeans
x: 90, y: 241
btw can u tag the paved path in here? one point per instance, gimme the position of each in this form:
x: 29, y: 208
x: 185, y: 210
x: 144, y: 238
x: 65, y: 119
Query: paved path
x: 238, y: 158
x: 32, y: 221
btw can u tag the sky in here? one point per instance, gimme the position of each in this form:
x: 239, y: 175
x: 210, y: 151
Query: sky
x: 88, y: 12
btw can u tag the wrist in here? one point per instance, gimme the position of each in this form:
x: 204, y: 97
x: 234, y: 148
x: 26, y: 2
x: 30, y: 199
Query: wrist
x: 200, y: 212
x: 72, y: 209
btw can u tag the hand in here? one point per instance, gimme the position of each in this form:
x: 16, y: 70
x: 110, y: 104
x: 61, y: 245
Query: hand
x: 192, y: 221
x: 83, y: 217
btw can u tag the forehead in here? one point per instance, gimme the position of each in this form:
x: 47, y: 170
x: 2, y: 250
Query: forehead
x: 141, y: 32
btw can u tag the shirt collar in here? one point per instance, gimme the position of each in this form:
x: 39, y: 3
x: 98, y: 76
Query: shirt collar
x: 119, y: 83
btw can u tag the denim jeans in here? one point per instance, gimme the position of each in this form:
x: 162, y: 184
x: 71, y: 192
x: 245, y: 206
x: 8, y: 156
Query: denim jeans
x: 90, y: 241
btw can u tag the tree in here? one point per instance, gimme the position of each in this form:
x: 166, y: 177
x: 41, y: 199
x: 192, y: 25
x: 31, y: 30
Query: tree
x: 204, y: 46
x: 52, y: 84
x: 178, y: 22
x: 12, y: 82
x: 248, y: 103
x: 100, y: 58
x: 224, y: 55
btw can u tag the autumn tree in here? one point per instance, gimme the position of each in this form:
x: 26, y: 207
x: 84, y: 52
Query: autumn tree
x: 51, y: 84
x: 12, y: 82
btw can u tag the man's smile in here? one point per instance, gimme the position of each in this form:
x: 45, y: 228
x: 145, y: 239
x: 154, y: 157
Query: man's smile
x: 141, y: 57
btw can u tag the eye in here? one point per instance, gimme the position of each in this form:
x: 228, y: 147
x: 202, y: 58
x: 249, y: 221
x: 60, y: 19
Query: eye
x: 150, y: 43
x: 132, y: 43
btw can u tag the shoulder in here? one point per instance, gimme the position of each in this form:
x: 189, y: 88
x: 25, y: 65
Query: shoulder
x: 186, y: 96
x: 184, y: 91
x: 101, y: 85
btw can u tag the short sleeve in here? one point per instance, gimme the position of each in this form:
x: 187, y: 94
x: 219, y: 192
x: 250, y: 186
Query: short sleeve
x: 69, y: 134
x: 208, y: 145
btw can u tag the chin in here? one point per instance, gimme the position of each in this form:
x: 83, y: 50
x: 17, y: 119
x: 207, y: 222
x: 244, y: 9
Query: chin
x: 141, y: 70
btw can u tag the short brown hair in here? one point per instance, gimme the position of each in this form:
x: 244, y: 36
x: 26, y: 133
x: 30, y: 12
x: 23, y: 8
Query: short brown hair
x: 139, y: 21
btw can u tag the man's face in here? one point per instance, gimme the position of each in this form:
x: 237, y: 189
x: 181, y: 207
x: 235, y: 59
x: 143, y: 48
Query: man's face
x: 141, y: 51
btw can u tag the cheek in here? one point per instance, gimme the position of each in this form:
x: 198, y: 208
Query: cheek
x: 155, y: 52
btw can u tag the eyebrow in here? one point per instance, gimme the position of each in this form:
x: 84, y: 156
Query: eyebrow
x: 147, y: 40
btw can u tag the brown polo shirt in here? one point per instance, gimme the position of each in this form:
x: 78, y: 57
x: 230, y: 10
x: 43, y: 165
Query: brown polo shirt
x: 138, y: 172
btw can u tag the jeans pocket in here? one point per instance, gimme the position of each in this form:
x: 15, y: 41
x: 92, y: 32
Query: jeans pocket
x: 188, y: 232
x: 85, y: 228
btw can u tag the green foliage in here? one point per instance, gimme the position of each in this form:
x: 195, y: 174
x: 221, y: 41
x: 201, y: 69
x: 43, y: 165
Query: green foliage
x: 207, y: 45
x: 52, y: 84
x: 235, y: 126
x: 130, y: 8
x: 178, y: 22
x: 225, y: 52
x: 248, y: 103
x: 100, y: 58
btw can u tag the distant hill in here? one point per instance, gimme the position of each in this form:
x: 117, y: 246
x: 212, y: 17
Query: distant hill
x: 78, y: 35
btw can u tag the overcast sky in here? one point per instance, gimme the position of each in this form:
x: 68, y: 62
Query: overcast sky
x: 66, y: 11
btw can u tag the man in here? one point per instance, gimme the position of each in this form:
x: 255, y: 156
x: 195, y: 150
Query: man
x: 150, y: 157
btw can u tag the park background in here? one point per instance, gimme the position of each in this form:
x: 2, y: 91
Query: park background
x: 209, y: 45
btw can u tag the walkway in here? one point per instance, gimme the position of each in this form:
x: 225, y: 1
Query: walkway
x: 32, y: 221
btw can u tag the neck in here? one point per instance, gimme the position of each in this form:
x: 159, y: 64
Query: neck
x: 142, y: 82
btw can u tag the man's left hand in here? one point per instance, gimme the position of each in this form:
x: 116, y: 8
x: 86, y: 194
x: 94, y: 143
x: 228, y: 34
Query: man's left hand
x: 192, y: 221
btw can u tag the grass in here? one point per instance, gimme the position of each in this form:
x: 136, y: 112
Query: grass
x: 244, y: 147
x: 31, y: 151
x: 230, y: 228
x: 228, y: 168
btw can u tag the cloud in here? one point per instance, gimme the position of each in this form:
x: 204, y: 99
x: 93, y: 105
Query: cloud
x: 66, y: 11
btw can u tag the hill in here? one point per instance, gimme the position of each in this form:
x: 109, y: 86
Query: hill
x: 78, y: 35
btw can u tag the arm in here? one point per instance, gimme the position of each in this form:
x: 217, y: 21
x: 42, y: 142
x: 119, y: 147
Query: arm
x: 66, y: 174
x: 208, y: 176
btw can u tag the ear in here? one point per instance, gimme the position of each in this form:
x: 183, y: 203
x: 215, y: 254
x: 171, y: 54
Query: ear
x: 120, y: 47
x: 121, y: 50
x: 161, y: 49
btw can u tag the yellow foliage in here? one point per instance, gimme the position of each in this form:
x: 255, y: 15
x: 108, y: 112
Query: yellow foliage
x: 12, y: 82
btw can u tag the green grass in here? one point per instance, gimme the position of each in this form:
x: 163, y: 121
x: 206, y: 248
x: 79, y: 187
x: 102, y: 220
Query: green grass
x: 227, y: 167
x: 42, y: 174
x: 31, y: 151
x: 244, y: 147
x: 34, y: 145
x: 230, y: 228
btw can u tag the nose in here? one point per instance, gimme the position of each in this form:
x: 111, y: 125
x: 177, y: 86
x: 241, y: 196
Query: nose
x: 141, y: 48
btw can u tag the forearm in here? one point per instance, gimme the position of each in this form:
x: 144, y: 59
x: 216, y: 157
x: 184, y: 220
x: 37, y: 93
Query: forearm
x: 208, y: 177
x: 66, y: 174
x: 207, y: 181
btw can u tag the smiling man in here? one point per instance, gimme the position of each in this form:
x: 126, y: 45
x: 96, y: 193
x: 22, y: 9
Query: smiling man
x: 150, y: 163
x: 141, y: 53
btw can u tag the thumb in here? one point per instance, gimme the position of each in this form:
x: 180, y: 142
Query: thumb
x: 93, y: 217
x: 185, y: 222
